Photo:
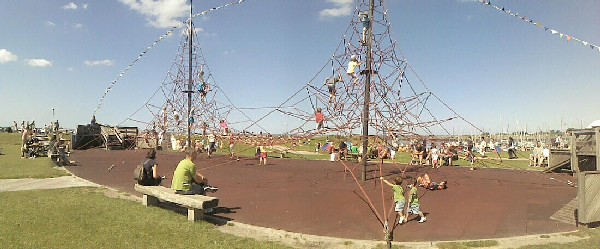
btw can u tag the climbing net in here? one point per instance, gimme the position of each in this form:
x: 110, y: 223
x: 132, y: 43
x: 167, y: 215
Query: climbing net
x: 400, y: 102
x: 210, y: 106
x: 400, y: 105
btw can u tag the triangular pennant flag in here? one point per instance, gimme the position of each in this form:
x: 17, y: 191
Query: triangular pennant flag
x: 569, y: 38
x: 554, y: 31
x: 592, y: 46
x: 584, y: 43
x: 503, y: 9
x: 561, y: 35
x: 546, y: 29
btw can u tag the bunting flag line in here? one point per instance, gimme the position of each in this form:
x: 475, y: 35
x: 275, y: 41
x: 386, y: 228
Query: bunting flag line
x: 539, y: 25
x: 112, y: 84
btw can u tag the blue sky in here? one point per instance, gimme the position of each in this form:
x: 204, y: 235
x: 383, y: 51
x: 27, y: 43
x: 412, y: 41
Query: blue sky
x: 492, y: 68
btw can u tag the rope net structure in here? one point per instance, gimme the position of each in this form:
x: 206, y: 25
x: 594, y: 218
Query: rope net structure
x: 168, y: 108
x: 401, y: 104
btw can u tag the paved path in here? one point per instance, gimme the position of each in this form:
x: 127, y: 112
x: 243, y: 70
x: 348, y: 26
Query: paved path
x: 48, y: 183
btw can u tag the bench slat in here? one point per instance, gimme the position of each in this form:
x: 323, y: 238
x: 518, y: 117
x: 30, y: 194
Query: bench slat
x: 189, y: 201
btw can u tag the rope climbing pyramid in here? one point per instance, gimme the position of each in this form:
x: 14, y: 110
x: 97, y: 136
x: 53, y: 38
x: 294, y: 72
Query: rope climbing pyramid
x: 400, y: 103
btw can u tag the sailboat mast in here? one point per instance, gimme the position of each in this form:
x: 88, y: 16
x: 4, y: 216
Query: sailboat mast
x: 189, y: 91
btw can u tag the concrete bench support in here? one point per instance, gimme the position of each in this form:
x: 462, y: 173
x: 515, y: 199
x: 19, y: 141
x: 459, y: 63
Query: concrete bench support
x: 195, y: 204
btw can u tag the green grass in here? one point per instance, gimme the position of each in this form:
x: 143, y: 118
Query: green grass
x: 467, y: 244
x: 490, y: 161
x: 86, y: 218
x: 593, y: 242
x: 12, y: 166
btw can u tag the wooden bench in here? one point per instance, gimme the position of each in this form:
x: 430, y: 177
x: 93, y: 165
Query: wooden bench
x: 354, y: 156
x: 195, y: 204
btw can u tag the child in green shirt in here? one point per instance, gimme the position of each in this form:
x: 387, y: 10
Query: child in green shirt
x: 398, y: 197
x: 413, y: 202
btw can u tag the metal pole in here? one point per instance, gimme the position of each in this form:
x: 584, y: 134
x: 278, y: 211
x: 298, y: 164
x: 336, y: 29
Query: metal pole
x: 367, y: 100
x: 189, y: 91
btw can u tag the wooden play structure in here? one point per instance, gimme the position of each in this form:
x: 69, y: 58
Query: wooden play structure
x: 585, y: 150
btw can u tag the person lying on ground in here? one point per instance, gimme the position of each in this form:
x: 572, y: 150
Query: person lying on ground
x: 425, y: 181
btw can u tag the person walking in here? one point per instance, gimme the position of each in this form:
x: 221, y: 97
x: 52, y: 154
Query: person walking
x: 413, y: 202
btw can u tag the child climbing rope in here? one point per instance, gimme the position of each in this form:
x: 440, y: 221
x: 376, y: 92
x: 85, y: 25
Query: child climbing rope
x: 319, y: 119
x: 330, y: 82
x: 353, y: 64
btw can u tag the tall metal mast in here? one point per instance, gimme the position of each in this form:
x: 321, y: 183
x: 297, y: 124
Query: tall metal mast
x: 189, y: 90
x: 365, y: 120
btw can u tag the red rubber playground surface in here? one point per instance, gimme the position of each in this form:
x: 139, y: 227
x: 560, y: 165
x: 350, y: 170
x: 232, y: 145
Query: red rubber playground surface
x: 320, y: 198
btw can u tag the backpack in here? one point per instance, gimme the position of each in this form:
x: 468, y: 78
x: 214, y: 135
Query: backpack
x: 139, y: 173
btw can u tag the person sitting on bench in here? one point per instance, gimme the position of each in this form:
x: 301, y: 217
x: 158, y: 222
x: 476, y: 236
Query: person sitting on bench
x: 151, y: 177
x: 186, y: 180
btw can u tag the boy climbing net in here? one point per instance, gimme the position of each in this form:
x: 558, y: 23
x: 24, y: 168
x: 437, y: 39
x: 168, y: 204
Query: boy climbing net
x: 353, y: 64
x: 319, y: 119
x: 331, y: 82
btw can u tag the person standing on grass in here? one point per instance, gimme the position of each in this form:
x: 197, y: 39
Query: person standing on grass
x: 498, y: 150
x: 512, y: 148
x: 186, y: 180
x: 151, y: 177
x: 413, y: 202
x: 469, y: 156
x: 435, y: 155
x: 24, y: 139
x: 398, y: 197
x: 231, y: 145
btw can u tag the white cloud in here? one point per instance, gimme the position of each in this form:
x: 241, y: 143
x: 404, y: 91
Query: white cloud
x: 84, y: 6
x: 39, y: 63
x: 160, y: 13
x: 77, y: 25
x: 227, y: 52
x: 70, y: 6
x: 341, y: 8
x: 6, y: 56
x: 99, y: 63
x: 50, y: 24
x: 70, y: 69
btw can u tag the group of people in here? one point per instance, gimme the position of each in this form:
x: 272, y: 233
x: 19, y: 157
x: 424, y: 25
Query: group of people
x: 404, y: 208
x: 434, y: 156
x: 539, y: 155
x: 331, y: 82
x: 186, y: 179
